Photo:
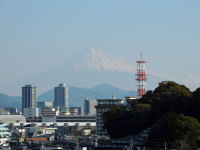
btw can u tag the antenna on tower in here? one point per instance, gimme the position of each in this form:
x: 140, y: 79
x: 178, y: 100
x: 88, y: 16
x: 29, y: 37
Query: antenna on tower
x: 141, y: 77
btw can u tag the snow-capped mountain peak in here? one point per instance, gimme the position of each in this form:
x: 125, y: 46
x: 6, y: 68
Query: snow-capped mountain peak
x: 97, y: 59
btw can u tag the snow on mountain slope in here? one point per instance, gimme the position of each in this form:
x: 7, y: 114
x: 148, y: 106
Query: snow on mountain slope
x: 97, y: 60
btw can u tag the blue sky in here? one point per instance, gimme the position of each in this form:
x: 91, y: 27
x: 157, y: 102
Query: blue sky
x: 36, y: 35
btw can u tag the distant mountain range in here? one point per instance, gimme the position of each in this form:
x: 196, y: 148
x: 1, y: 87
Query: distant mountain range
x: 87, y: 69
x: 76, y: 95
x: 10, y: 101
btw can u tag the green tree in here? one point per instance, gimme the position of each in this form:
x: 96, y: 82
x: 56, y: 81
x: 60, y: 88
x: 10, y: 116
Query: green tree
x: 120, y: 122
x: 154, y: 110
x: 169, y: 89
x: 195, y: 104
x: 181, y: 130
x: 169, y: 96
x: 115, y: 122
x: 196, y: 94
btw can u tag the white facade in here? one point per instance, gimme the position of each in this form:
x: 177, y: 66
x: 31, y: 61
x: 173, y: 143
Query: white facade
x: 12, y: 119
x: 31, y: 112
x: 73, y: 111
x: 49, y: 114
x: 4, y: 133
x: 4, y: 112
x: 40, y: 105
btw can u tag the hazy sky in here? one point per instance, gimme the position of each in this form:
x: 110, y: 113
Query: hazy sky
x: 38, y: 35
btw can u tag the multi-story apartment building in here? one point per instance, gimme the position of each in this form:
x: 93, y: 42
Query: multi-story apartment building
x: 4, y: 133
x: 102, y: 106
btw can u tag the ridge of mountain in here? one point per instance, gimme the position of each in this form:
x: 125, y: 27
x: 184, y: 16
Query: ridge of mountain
x: 9, y: 101
x: 76, y: 95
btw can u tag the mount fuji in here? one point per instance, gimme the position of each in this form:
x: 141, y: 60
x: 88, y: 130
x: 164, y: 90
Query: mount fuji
x: 97, y: 60
x: 88, y: 69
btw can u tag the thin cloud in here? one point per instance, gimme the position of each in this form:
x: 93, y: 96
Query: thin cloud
x: 193, y: 80
x: 160, y: 75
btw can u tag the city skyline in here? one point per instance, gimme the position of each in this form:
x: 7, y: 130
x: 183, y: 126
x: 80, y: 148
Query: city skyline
x: 38, y: 36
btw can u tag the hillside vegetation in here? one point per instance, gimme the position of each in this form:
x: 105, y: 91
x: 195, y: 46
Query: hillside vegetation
x: 171, y: 111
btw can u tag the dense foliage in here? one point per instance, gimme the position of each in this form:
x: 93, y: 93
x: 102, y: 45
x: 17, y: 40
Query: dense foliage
x: 171, y: 111
x: 120, y: 122
x: 176, y: 129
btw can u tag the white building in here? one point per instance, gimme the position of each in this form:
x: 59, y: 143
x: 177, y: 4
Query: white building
x: 102, y: 106
x: 31, y: 112
x: 40, y: 105
x: 130, y: 100
x: 73, y: 111
x: 4, y: 112
x: 4, y: 134
x: 79, y: 109
x: 49, y: 114
x: 13, y: 119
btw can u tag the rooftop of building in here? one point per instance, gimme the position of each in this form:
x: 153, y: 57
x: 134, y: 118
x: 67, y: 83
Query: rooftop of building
x: 12, y: 118
x: 131, y: 97
x: 110, y: 99
x: 3, y: 111
x: 29, y: 85
x: 76, y: 116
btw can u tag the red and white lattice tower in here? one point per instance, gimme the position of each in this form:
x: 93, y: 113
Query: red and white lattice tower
x: 141, y: 77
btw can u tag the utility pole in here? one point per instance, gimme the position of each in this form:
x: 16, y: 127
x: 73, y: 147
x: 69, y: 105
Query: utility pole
x: 131, y: 144
x: 165, y: 146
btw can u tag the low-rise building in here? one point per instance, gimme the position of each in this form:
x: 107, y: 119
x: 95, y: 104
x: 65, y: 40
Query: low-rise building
x: 12, y: 119
x: 4, y: 133
x: 31, y: 112
x: 12, y: 110
x: 40, y: 105
x: 131, y: 100
x: 44, y: 104
x: 89, y: 107
x: 87, y: 118
x: 73, y: 111
x: 49, y: 114
x: 79, y: 109
x: 4, y: 112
